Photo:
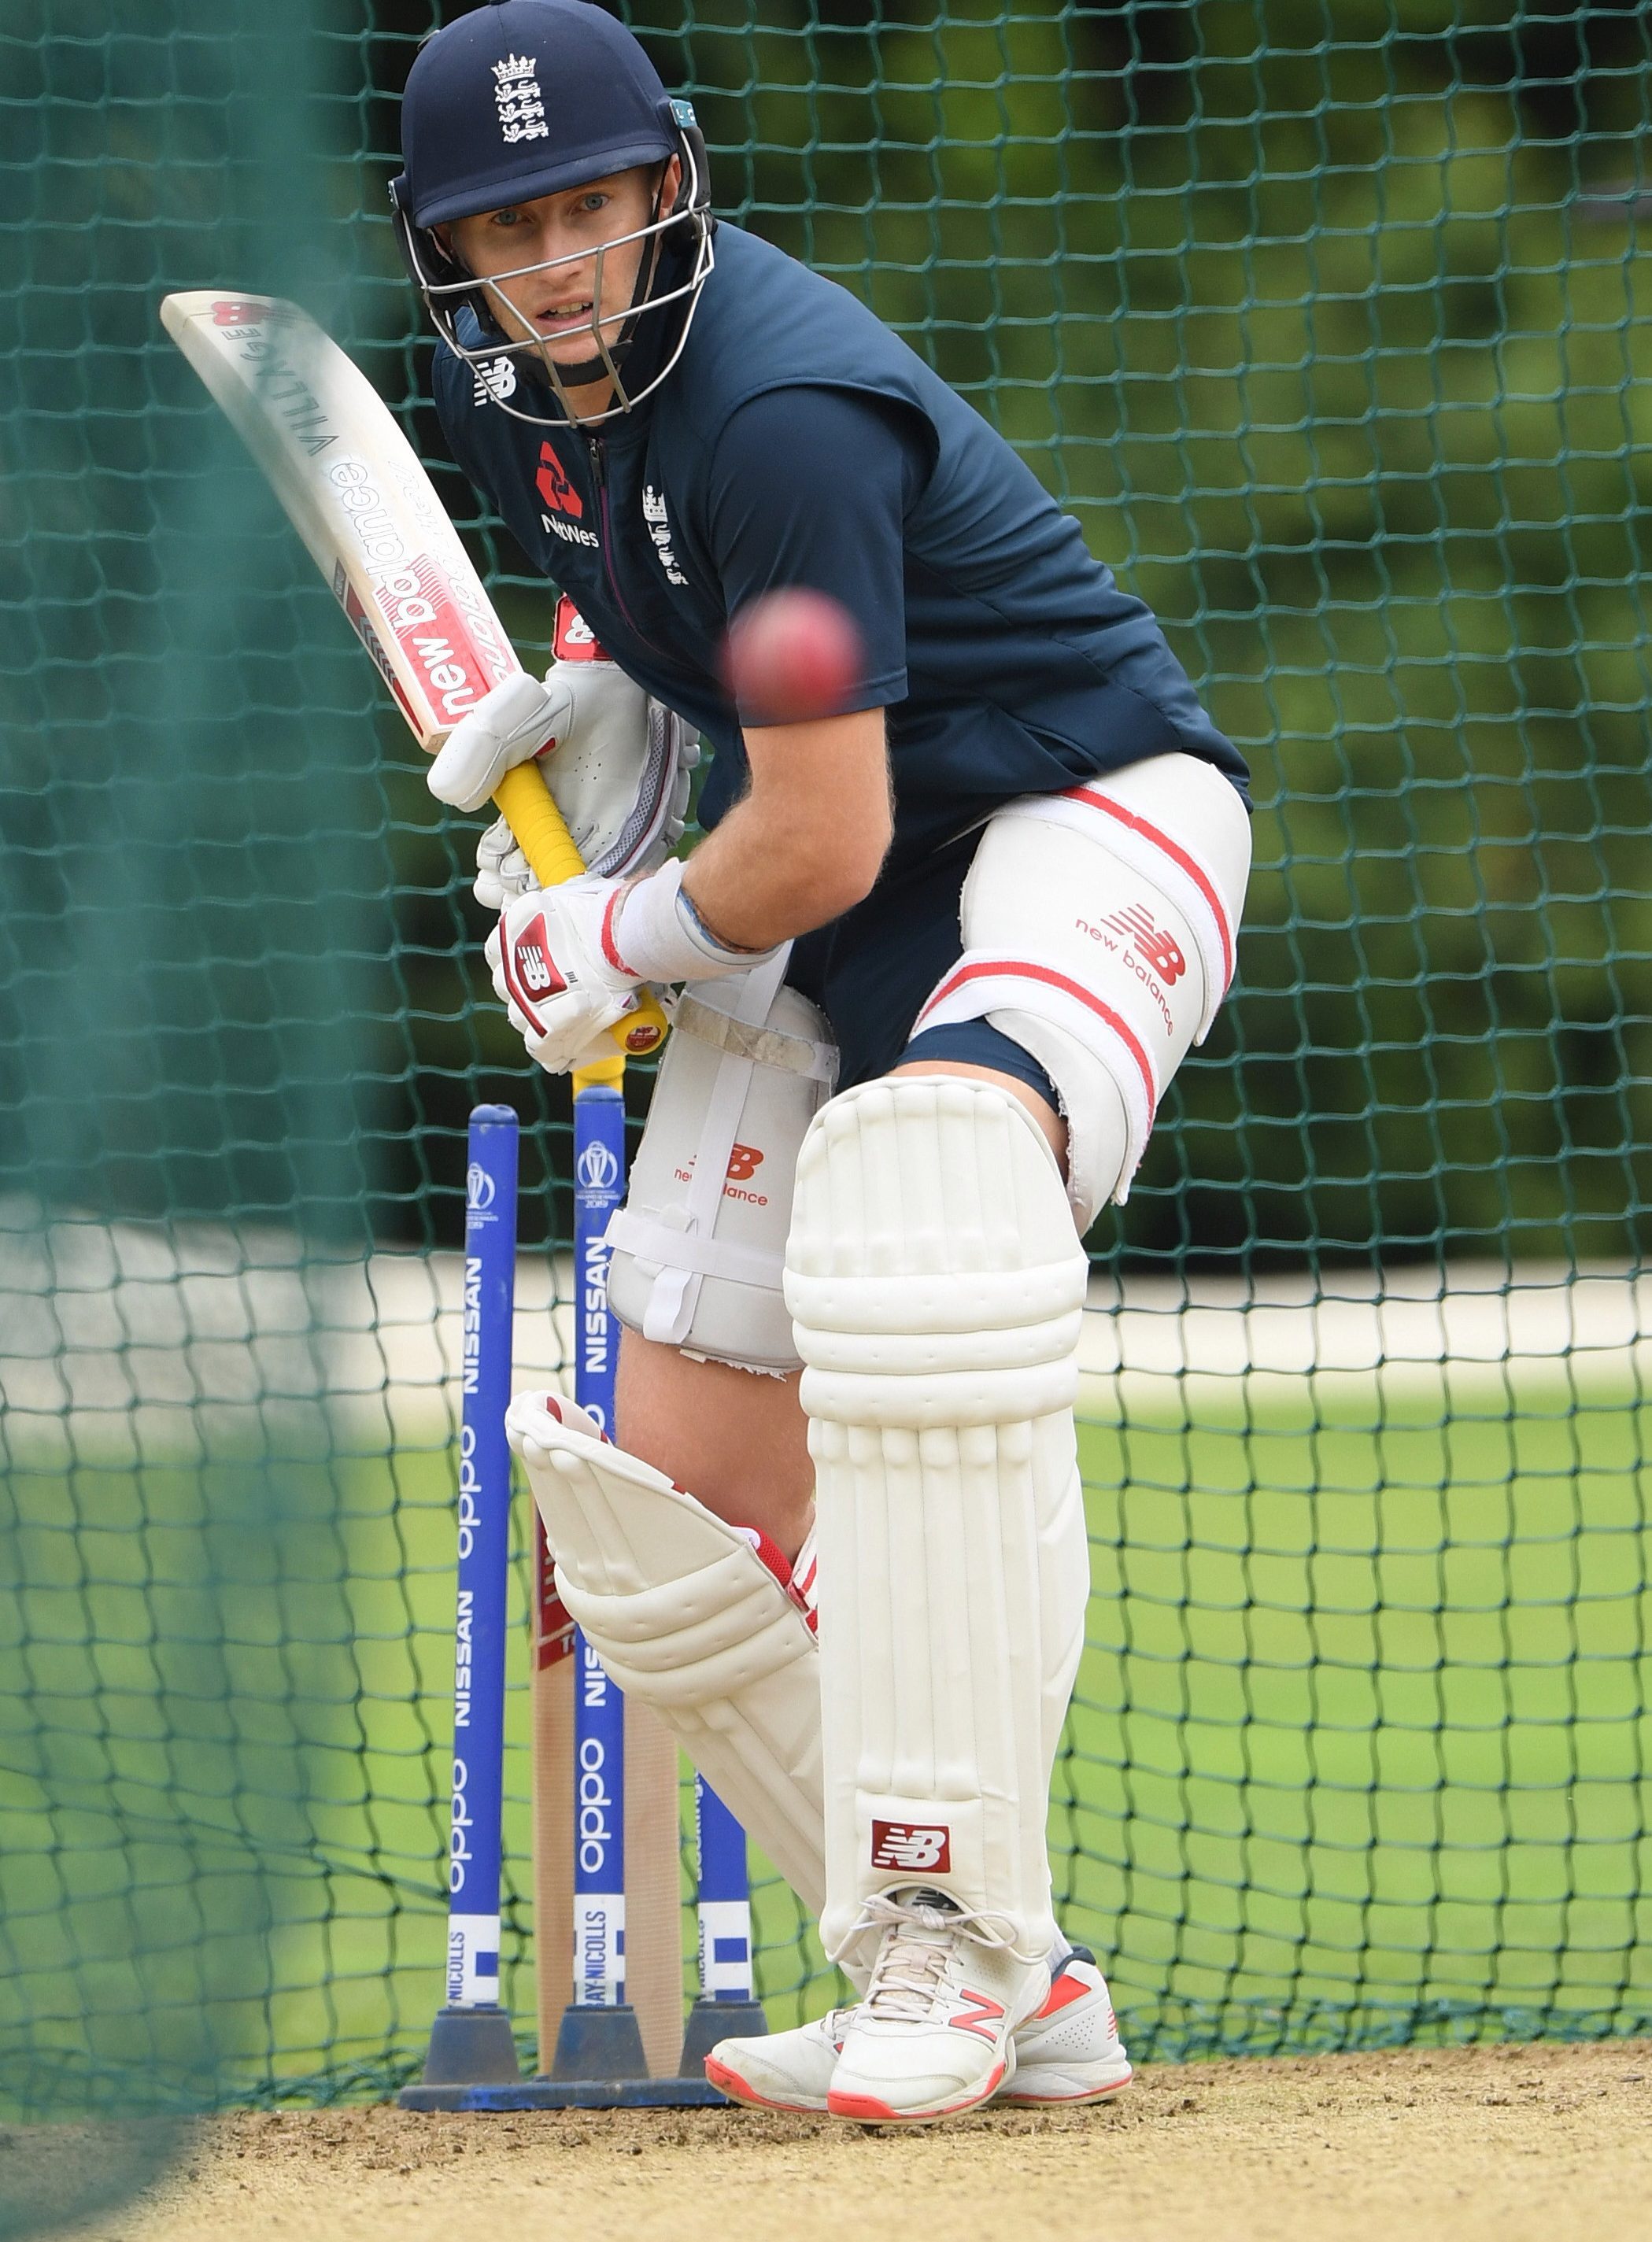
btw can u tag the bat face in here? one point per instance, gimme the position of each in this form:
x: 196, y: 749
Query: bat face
x: 354, y: 489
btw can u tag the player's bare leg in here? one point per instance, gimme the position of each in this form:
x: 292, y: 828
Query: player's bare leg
x: 739, y: 1440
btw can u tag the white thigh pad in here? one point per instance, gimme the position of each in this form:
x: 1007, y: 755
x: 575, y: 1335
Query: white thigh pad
x: 686, y: 1617
x: 937, y: 1288
x: 1099, y: 931
x: 698, y: 1246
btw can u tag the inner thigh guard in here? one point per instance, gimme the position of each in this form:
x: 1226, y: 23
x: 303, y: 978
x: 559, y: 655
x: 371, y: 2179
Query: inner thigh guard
x: 689, y: 1617
x: 698, y: 1246
x: 1098, y: 928
x: 937, y: 1286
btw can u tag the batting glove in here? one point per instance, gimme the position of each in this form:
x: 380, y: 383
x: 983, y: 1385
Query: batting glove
x: 502, y: 872
x: 549, y: 970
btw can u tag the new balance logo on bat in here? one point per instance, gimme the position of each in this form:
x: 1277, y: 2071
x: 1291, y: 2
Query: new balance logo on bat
x: 911, y: 1845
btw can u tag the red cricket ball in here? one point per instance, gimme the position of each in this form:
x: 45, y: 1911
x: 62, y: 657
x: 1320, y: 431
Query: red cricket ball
x: 792, y: 656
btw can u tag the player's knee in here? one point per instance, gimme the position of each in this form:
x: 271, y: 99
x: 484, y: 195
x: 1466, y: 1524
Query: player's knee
x: 932, y: 1268
x: 699, y: 1247
x: 1098, y: 928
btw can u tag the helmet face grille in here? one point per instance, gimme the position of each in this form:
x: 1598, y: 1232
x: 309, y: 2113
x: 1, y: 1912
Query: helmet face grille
x: 663, y: 293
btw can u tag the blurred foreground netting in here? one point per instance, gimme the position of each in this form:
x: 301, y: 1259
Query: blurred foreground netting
x: 1331, y: 324
x: 179, y: 783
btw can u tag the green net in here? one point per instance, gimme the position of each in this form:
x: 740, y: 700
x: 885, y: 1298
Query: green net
x: 1327, y: 323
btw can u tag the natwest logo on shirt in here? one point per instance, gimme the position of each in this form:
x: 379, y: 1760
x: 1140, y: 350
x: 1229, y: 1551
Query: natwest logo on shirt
x: 554, y: 485
x: 563, y: 505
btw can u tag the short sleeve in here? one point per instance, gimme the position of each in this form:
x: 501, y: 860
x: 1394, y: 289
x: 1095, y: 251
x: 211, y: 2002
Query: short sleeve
x: 810, y: 487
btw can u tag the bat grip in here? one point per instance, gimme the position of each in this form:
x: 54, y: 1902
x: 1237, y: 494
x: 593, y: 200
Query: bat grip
x: 546, y: 841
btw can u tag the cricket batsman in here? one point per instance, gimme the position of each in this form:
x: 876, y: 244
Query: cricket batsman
x: 943, y: 947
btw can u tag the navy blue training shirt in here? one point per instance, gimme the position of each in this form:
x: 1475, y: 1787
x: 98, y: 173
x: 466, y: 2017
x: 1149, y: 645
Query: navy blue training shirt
x: 798, y: 441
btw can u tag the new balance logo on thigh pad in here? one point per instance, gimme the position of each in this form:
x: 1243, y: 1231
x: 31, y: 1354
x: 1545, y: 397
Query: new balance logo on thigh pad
x: 1158, y: 948
x: 911, y: 1845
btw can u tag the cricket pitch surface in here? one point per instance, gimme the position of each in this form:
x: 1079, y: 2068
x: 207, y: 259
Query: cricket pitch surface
x: 1522, y: 2144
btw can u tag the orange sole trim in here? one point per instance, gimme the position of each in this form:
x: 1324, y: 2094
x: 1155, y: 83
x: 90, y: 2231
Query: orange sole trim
x: 731, y: 2083
x: 871, y: 2111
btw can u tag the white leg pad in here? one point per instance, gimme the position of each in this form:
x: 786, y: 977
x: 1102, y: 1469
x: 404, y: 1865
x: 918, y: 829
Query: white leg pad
x: 937, y: 1286
x: 699, y: 1245
x: 1098, y: 930
x: 686, y: 1615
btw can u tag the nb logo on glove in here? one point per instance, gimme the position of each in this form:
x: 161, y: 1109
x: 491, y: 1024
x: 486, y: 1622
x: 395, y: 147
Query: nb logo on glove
x: 911, y: 1845
x: 532, y: 955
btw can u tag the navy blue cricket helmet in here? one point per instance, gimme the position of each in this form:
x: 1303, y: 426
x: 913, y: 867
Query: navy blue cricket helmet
x: 522, y: 98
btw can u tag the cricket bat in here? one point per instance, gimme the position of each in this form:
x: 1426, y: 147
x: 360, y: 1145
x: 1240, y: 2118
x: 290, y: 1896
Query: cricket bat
x: 354, y: 489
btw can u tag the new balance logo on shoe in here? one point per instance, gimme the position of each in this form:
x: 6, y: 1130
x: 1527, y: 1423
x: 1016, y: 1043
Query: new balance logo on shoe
x: 911, y: 1845
x: 984, y: 2017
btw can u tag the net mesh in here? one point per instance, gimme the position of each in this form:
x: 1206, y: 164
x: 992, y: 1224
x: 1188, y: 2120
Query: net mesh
x: 1327, y: 323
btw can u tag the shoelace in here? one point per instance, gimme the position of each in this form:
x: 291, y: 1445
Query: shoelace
x: 910, y: 1975
x: 984, y: 1925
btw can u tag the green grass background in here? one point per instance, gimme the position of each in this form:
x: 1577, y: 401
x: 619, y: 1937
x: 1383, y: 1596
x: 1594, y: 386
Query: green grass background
x: 1358, y: 1751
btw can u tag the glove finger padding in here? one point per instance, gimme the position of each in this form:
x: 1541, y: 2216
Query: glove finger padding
x: 686, y: 1615
x: 508, y: 726
x: 503, y: 872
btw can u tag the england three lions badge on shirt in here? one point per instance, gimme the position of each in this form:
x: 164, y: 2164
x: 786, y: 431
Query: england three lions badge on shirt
x: 654, y: 515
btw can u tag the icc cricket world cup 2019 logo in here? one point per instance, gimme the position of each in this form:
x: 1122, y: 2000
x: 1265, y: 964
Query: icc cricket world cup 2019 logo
x: 596, y: 1171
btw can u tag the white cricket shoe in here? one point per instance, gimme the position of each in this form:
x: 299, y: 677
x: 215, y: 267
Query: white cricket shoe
x: 933, y: 2037
x: 785, y: 2070
x: 1067, y: 2052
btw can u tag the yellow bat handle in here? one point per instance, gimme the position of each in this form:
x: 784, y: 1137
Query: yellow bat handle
x: 545, y: 840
